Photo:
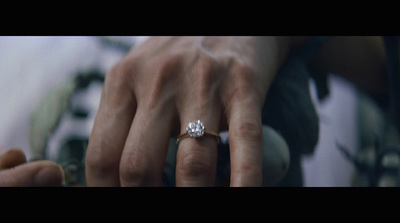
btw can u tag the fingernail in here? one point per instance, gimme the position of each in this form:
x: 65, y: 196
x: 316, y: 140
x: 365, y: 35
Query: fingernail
x: 51, y: 176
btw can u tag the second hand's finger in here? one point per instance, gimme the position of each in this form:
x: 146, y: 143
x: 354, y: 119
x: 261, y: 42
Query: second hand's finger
x: 11, y: 158
x: 33, y: 174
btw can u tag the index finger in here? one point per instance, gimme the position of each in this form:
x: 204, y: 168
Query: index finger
x: 112, y: 124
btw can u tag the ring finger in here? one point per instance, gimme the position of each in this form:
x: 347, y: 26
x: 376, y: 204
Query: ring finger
x: 197, y: 157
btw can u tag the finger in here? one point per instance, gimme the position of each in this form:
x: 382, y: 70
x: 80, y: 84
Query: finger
x: 33, y: 174
x: 245, y: 139
x: 11, y: 158
x: 111, y: 127
x: 197, y: 157
x: 145, y: 151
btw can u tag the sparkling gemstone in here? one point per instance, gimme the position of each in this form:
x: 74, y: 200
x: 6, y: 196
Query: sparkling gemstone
x: 195, y: 129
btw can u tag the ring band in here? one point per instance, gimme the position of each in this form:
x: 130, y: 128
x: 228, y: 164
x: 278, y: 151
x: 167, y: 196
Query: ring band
x: 196, y: 129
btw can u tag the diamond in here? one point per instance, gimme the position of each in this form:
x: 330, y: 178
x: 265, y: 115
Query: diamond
x: 195, y: 129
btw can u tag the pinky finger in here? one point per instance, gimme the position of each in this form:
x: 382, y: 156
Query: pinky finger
x: 245, y: 138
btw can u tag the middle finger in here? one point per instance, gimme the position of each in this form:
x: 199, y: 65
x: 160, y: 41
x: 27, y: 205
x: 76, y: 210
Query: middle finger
x: 197, y: 157
x: 145, y: 150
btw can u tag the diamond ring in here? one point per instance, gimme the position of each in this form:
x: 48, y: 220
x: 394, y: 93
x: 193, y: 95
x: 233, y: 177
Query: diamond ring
x: 196, y: 129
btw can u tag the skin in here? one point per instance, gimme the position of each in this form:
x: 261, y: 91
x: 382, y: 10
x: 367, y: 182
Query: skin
x: 16, y: 172
x: 220, y: 80
x: 157, y: 88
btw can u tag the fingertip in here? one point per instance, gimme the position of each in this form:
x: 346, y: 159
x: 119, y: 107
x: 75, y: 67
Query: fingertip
x: 51, y: 175
x: 43, y: 173
x: 12, y: 157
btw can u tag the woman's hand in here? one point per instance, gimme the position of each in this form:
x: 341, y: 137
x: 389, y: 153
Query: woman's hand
x: 159, y: 87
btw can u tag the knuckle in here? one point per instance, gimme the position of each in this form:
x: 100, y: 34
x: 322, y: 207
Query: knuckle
x: 171, y: 62
x: 193, y: 166
x: 241, y: 69
x: 119, y: 75
x: 243, y: 173
x: 243, y: 72
x: 97, y: 163
x: 206, y: 69
x: 248, y: 130
x: 160, y: 75
x: 249, y: 170
x: 245, y: 93
x: 246, y: 72
x: 245, y: 82
x: 135, y: 172
x: 163, y: 71
x: 118, y: 84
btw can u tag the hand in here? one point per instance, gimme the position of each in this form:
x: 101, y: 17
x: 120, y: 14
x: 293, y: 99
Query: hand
x: 16, y: 172
x: 159, y: 87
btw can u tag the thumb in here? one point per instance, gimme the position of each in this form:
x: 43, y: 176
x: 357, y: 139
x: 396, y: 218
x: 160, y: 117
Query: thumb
x: 11, y: 158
